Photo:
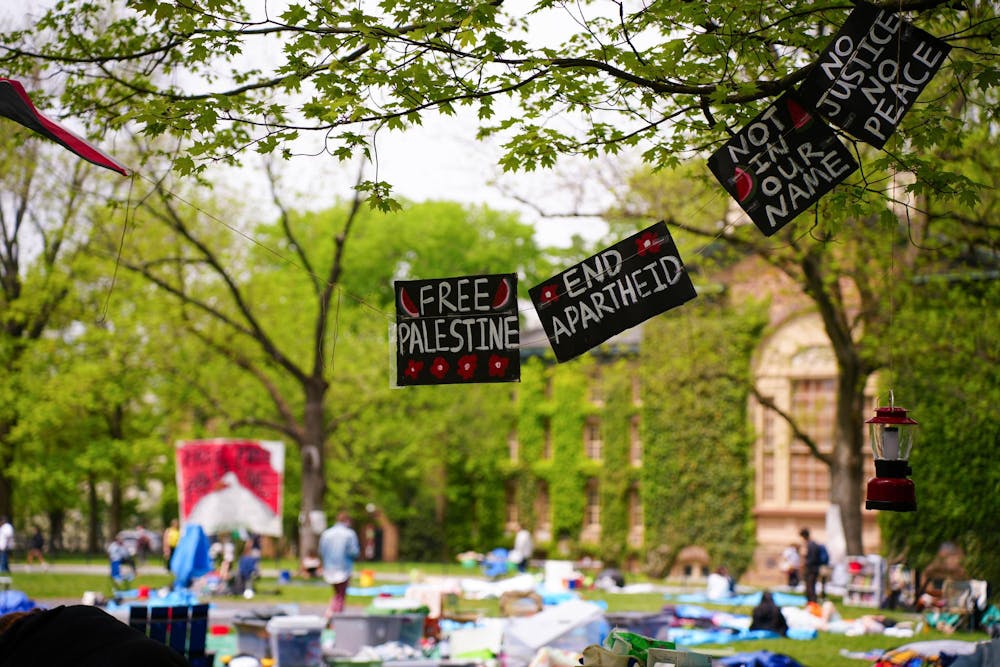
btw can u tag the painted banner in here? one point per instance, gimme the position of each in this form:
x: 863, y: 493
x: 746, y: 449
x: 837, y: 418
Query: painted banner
x: 457, y: 330
x: 614, y: 290
x: 781, y: 163
x: 872, y: 72
x: 225, y: 485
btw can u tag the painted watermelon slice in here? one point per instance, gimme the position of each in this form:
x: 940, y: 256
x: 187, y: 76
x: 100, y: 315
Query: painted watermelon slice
x: 800, y: 117
x: 745, y: 185
x: 502, y: 296
x: 406, y: 303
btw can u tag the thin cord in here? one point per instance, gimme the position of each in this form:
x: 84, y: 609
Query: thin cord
x: 121, y: 245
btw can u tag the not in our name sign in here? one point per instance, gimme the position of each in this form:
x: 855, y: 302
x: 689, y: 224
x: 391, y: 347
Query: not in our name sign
x: 781, y: 163
x: 457, y: 330
x: 614, y: 290
x: 872, y: 72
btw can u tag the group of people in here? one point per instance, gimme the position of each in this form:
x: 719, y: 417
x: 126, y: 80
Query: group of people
x: 36, y: 546
x: 803, y: 568
x: 236, y: 574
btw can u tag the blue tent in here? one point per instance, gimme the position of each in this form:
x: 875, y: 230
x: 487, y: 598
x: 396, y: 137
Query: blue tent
x: 190, y: 559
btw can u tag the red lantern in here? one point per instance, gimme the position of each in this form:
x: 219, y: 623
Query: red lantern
x: 892, y: 436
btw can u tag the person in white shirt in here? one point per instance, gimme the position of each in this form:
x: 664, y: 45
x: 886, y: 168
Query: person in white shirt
x: 6, y: 544
x: 791, y: 564
x: 523, y: 548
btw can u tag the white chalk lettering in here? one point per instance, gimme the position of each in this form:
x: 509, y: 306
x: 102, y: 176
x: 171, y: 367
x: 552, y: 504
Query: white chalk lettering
x: 927, y: 54
x: 774, y: 211
x: 455, y: 335
x: 604, y: 303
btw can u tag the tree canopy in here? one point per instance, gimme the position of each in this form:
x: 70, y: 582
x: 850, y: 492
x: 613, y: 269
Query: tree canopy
x: 550, y: 79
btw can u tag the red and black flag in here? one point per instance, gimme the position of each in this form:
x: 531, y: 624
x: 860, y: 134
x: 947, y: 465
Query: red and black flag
x: 16, y: 105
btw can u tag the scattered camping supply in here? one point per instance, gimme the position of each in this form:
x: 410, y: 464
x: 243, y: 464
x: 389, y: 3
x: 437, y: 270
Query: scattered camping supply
x: 352, y: 632
x: 183, y: 628
x: 572, y: 625
x: 939, y: 653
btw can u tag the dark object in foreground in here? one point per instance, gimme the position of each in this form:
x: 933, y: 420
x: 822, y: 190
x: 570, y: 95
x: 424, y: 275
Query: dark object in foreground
x: 79, y: 636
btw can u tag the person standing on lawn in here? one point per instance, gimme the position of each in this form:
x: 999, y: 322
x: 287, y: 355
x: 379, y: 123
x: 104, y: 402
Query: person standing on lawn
x: 338, y: 547
x: 36, y: 552
x: 6, y: 544
x: 811, y: 565
x: 171, y: 536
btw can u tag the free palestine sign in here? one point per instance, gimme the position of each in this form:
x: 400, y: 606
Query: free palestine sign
x: 872, y: 72
x: 781, y: 163
x: 612, y: 291
x: 457, y: 330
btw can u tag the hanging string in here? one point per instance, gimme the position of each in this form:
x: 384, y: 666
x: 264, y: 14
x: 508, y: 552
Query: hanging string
x: 121, y: 245
x: 364, y: 302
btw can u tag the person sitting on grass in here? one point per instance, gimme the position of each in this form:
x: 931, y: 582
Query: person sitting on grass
x: 767, y: 616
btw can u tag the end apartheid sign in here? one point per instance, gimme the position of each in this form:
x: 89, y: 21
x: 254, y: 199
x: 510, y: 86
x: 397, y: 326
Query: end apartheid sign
x: 614, y: 290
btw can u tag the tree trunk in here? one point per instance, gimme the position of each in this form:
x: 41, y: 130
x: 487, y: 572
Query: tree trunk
x: 6, y: 483
x: 115, y: 511
x: 313, y: 457
x: 846, y: 469
x: 94, y: 526
x: 57, y: 521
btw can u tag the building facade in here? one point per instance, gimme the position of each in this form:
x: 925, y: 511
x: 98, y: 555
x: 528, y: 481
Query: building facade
x: 792, y: 366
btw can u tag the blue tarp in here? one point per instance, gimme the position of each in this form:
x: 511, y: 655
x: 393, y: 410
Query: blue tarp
x: 190, y: 559
x: 174, y: 598
x: 758, y: 659
x: 390, y: 590
x: 748, y: 600
x: 693, y: 637
x: 14, y: 600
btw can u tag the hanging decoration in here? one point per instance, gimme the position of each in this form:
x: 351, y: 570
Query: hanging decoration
x: 614, y: 290
x: 872, y: 72
x: 781, y: 163
x: 457, y: 330
x: 16, y: 105
x: 892, y: 435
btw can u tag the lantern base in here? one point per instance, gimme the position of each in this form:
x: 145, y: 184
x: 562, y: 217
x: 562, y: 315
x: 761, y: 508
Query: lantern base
x: 891, y: 506
x: 892, y: 494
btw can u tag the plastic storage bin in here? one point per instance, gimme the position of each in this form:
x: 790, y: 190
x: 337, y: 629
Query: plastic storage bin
x: 252, y: 637
x: 351, y: 632
x: 654, y: 625
x: 296, y: 641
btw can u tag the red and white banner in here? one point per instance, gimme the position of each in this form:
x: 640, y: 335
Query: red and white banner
x: 226, y: 484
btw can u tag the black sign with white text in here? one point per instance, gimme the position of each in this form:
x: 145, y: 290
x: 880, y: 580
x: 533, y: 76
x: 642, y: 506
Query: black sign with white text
x: 457, y: 330
x: 612, y: 291
x: 781, y: 163
x: 872, y: 72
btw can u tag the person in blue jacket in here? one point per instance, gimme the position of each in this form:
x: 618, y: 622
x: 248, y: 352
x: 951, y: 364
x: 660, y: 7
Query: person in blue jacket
x: 338, y: 547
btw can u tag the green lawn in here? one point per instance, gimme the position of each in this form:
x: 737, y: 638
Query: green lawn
x: 824, y: 651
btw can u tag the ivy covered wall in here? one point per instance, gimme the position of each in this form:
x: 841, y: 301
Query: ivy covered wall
x: 694, y: 480
x: 697, y: 479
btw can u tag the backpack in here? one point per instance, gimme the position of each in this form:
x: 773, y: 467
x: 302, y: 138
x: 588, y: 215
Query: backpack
x: 822, y: 555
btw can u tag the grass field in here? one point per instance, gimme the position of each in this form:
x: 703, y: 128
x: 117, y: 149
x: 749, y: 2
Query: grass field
x: 52, y: 587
